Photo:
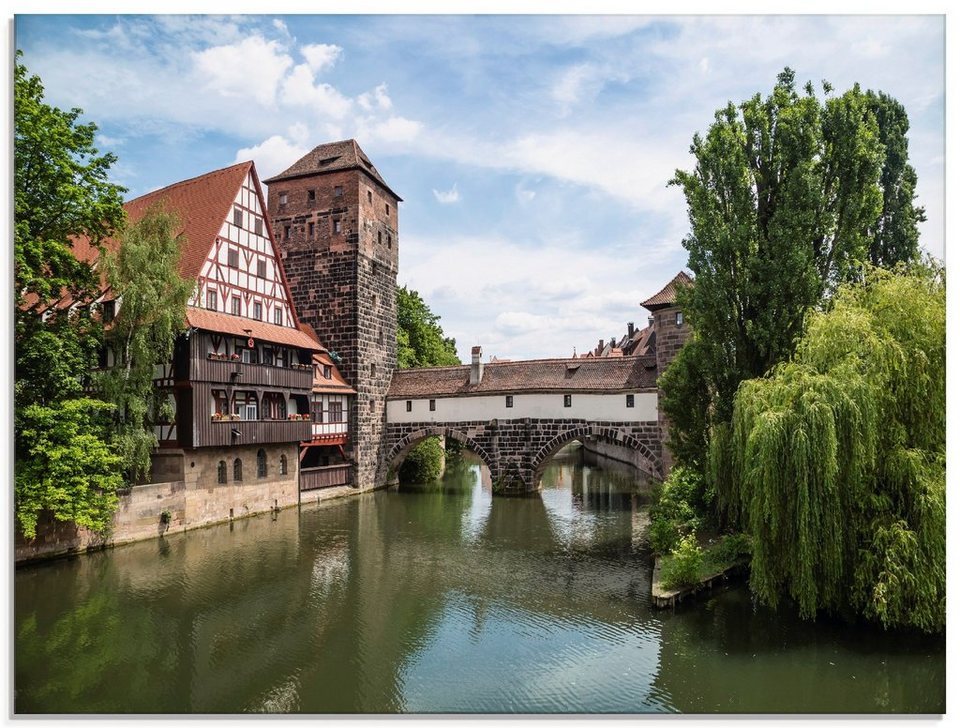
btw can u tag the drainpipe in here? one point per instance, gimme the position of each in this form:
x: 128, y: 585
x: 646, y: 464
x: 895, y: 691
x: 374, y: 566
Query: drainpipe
x: 476, y: 366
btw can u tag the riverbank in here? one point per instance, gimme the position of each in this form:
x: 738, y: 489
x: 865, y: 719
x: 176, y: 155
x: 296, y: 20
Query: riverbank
x: 663, y: 597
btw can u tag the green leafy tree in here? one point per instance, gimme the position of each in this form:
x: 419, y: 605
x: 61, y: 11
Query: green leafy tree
x: 838, y: 457
x: 786, y: 202
x: 144, y: 277
x: 69, y: 465
x: 61, y: 192
x: 420, y: 340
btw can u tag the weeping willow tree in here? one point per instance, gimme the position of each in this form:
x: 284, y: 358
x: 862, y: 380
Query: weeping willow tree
x: 835, y: 461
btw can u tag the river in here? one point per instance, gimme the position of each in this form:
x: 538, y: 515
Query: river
x: 436, y: 598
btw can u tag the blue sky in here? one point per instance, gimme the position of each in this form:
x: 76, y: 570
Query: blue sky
x: 532, y: 152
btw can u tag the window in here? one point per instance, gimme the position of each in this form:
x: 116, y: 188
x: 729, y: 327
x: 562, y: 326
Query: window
x: 311, y: 195
x: 509, y: 400
x: 274, y: 406
x: 338, y: 191
x: 222, y: 471
x: 327, y: 371
x: 238, y: 469
x: 336, y: 226
x: 369, y: 196
x: 629, y: 400
x: 679, y: 318
x: 237, y: 217
x: 379, y: 237
x: 261, y: 463
x: 258, y: 226
x: 249, y: 355
x: 373, y: 405
x: 109, y: 311
x: 336, y: 412
x: 245, y: 405
x: 283, y: 465
x: 389, y: 241
x: 386, y: 208
x: 278, y: 315
x: 258, y: 310
x: 220, y: 402
x: 310, y: 231
x: 268, y: 355
x: 373, y: 369
x: 212, y: 299
x: 409, y: 406
x: 433, y: 405
x: 568, y: 400
x: 233, y: 257
x: 261, y: 267
x: 286, y: 232
x: 380, y: 336
x: 235, y: 305
x: 283, y: 198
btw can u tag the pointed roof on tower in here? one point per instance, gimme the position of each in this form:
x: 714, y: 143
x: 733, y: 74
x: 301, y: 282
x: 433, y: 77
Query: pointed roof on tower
x: 668, y: 294
x: 333, y: 157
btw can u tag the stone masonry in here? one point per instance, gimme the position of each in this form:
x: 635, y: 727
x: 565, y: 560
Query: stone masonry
x: 516, y: 451
x: 337, y: 231
x: 670, y: 339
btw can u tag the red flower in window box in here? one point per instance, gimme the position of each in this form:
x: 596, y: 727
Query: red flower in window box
x: 235, y: 357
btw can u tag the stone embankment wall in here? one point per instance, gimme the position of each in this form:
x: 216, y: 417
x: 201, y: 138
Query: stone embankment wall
x: 195, y: 500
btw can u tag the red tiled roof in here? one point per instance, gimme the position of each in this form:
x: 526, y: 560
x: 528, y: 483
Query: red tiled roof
x: 336, y: 384
x: 540, y: 375
x: 333, y: 157
x: 668, y: 295
x: 224, y: 323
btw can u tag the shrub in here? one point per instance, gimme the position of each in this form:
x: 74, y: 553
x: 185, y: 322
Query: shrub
x: 424, y: 463
x: 663, y: 535
x: 684, y: 565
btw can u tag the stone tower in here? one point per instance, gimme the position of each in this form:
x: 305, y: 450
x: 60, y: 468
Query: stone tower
x: 336, y: 220
x: 672, y: 332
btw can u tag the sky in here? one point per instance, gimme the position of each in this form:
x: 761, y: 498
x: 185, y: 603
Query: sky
x: 532, y: 152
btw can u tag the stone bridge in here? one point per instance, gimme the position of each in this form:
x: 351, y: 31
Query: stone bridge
x: 516, y: 415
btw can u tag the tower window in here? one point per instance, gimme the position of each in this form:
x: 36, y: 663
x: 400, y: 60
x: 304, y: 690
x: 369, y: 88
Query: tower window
x: 409, y: 405
x: 433, y: 405
x: 338, y: 191
x: 238, y: 217
x: 568, y: 400
x: 310, y: 227
x: 233, y: 257
x: 369, y: 196
x: 679, y: 318
x: 389, y: 241
x: 311, y: 195
x: 283, y: 198
x: 386, y: 208
x: 336, y: 226
x: 258, y: 226
x: 373, y: 369
x: 629, y: 400
x: 286, y: 232
x: 379, y: 237
x: 509, y: 400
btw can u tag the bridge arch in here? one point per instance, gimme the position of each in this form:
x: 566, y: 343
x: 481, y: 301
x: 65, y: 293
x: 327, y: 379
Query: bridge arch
x: 648, y: 463
x: 399, y: 451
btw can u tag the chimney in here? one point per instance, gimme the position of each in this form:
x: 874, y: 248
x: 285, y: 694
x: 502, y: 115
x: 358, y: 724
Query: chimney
x: 613, y: 341
x: 600, y: 346
x: 476, y: 365
x: 630, y: 330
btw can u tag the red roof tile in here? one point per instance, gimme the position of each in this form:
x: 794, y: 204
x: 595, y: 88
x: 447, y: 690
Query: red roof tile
x: 224, y: 323
x: 336, y: 384
x: 668, y: 295
x: 539, y: 375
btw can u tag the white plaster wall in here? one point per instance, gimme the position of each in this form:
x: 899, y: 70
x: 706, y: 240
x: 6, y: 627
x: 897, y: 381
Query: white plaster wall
x: 539, y: 406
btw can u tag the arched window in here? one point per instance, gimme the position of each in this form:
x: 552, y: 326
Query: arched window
x: 261, y: 463
x: 222, y: 471
x: 283, y: 465
x: 238, y: 469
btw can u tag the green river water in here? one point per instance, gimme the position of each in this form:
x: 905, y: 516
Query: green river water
x: 436, y: 598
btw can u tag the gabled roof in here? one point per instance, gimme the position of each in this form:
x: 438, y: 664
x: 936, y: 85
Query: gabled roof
x: 668, y: 294
x: 336, y: 384
x: 333, y: 157
x: 539, y: 375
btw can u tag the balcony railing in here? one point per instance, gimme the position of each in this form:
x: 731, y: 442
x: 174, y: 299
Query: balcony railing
x: 225, y: 432
x: 238, y: 372
x: 325, y: 477
x: 329, y: 428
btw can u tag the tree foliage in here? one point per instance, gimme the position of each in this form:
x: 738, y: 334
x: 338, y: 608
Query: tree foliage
x: 837, y: 457
x: 790, y: 196
x: 61, y: 191
x: 66, y: 464
x: 143, y: 275
x: 420, y: 340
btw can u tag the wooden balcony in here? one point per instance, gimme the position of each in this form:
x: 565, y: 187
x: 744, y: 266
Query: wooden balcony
x: 240, y: 374
x: 221, y: 433
x: 326, y: 476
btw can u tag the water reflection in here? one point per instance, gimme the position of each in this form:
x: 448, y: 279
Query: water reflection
x: 430, y: 599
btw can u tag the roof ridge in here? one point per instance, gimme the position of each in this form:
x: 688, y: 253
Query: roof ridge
x: 183, y: 182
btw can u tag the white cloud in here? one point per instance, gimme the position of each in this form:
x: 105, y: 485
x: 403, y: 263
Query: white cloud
x: 321, y: 56
x: 524, y: 195
x: 394, y: 130
x: 272, y: 156
x: 378, y: 99
x: 251, y: 68
x: 322, y: 99
x: 449, y: 197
